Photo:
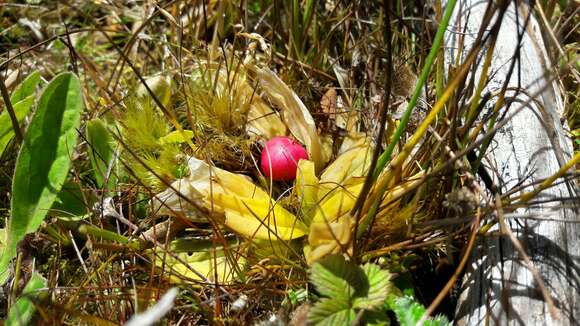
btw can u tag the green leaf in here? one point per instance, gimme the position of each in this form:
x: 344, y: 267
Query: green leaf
x: 379, y: 287
x: 70, y: 201
x: 338, y: 279
x: 22, y: 100
x: 44, y: 160
x: 2, y: 239
x: 331, y: 312
x: 101, y: 151
x: 22, y: 311
x: 6, y: 129
x: 409, y: 312
x: 26, y: 88
x: 376, y: 318
x: 176, y: 137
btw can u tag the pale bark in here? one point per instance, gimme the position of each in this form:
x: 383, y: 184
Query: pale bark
x: 498, y: 289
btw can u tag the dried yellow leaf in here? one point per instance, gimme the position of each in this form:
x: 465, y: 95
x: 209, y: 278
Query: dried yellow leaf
x: 294, y: 113
x: 259, y: 219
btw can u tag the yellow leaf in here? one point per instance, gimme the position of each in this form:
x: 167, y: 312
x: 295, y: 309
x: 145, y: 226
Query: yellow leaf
x: 184, y: 267
x: 337, y: 203
x: 353, y: 163
x: 329, y: 238
x: 354, y: 139
x: 176, y: 137
x: 203, y: 181
x: 307, y: 188
x: 263, y: 121
x: 160, y: 86
x: 294, y: 113
x: 259, y: 219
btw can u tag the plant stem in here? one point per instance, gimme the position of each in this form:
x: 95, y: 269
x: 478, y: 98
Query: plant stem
x: 10, y: 109
x: 386, y: 156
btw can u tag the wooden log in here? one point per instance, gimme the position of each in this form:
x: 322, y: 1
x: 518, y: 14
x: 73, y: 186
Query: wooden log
x: 498, y: 288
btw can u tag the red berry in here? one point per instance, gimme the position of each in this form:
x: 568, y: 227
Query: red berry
x: 280, y: 156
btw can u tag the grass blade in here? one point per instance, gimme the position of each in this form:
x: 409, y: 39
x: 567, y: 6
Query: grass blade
x: 386, y: 156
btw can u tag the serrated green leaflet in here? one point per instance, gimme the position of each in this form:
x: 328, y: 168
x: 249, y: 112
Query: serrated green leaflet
x: 349, y: 289
x: 22, y: 311
x: 100, y: 152
x: 379, y: 286
x: 409, y: 312
x: 44, y: 160
x: 338, y: 279
x: 331, y: 312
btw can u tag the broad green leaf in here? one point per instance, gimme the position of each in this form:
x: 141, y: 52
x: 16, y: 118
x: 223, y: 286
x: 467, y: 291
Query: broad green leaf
x: 23, y: 310
x: 331, y: 312
x: 379, y: 287
x: 26, y: 88
x: 44, y: 160
x: 101, y: 151
x: 2, y: 239
x: 6, y: 129
x: 70, y: 201
x: 338, y: 279
x: 409, y: 312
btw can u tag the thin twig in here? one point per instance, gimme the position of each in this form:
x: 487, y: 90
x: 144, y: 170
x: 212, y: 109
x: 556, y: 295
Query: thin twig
x: 11, y: 113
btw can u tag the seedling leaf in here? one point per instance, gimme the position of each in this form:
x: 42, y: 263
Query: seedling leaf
x: 409, y: 312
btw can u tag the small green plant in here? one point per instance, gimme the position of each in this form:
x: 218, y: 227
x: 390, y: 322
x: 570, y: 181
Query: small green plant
x: 362, y: 295
x: 409, y: 312
x: 350, y: 292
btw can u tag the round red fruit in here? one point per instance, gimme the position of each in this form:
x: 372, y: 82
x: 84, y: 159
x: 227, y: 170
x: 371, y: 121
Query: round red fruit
x: 280, y: 158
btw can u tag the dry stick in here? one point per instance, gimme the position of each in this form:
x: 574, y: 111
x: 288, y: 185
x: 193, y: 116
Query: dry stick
x: 442, y: 167
x: 130, y: 44
x: 10, y: 110
x: 506, y: 230
x: 356, y: 210
x: 467, y: 252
